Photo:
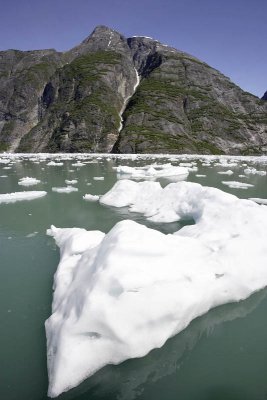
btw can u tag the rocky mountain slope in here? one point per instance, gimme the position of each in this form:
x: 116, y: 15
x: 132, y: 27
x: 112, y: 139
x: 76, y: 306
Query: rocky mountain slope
x: 124, y: 95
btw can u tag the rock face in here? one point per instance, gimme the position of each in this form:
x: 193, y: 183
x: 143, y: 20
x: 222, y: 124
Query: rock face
x: 90, y: 99
x: 264, y: 97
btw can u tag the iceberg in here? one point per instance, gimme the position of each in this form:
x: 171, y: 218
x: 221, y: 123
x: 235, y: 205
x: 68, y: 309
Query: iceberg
x: 67, y: 189
x: 91, y: 197
x: 120, y: 295
x: 19, y: 196
x: 153, y: 171
x: 27, y: 181
x: 237, y: 185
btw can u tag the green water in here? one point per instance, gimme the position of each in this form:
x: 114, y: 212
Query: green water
x: 222, y: 355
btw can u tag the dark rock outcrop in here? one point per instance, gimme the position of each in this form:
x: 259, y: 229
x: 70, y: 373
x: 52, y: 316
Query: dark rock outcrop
x: 264, y: 97
x: 73, y: 101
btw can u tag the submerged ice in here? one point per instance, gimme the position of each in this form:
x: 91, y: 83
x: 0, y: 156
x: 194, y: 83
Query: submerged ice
x: 119, y: 295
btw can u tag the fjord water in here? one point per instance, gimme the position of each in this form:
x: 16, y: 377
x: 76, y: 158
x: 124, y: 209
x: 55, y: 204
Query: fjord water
x: 221, y: 355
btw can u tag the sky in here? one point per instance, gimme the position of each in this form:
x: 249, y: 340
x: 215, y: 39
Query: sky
x: 229, y: 35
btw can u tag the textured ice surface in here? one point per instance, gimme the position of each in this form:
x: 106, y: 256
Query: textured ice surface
x: 119, y: 295
x: 27, y: 181
x: 19, y: 196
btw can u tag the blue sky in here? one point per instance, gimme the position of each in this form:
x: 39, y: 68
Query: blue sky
x: 230, y: 35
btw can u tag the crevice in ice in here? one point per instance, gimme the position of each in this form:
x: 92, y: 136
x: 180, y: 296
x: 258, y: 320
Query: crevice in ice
x: 91, y: 335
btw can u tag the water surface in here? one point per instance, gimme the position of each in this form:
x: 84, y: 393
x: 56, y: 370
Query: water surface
x: 222, y: 355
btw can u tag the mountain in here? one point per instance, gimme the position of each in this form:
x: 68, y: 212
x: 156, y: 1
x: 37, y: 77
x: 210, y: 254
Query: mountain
x: 136, y: 95
x: 264, y: 97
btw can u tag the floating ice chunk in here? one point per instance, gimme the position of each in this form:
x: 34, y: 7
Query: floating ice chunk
x: 152, y: 171
x: 71, y: 182
x: 55, y: 164
x: 98, y: 178
x: 258, y: 200
x: 78, y: 164
x: 149, y: 198
x: 19, y: 196
x: 228, y: 172
x: 184, y: 164
x: 6, y: 167
x: 254, y: 171
x: 67, y: 189
x: 27, y: 181
x: 200, y: 176
x: 237, y: 185
x: 127, y: 292
x: 91, y: 197
x: 30, y: 235
x: 3, y: 176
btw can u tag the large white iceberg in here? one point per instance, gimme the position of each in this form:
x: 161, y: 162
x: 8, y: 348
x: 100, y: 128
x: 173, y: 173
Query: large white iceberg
x: 119, y: 295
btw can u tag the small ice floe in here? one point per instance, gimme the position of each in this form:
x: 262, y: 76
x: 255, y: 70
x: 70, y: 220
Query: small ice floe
x: 4, y: 160
x: 152, y: 171
x: 91, y: 197
x: 254, y: 171
x: 225, y: 164
x: 237, y: 185
x: 200, y: 176
x: 3, y: 176
x: 30, y: 235
x: 71, y: 182
x: 55, y: 164
x: 258, y: 200
x: 67, y: 189
x: 6, y: 167
x: 184, y: 164
x: 89, y: 184
x: 78, y: 164
x: 242, y: 176
x: 98, y: 178
x: 228, y: 172
x: 19, y: 196
x: 27, y: 181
